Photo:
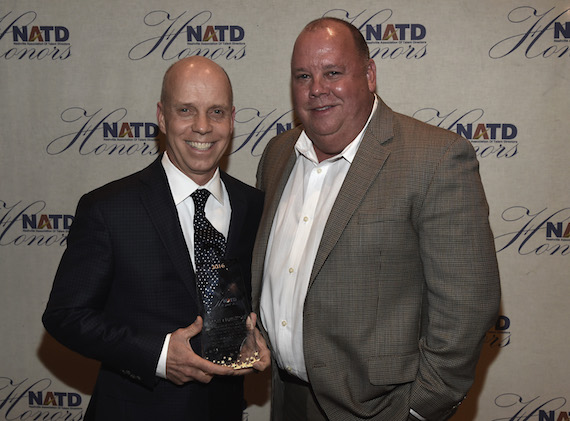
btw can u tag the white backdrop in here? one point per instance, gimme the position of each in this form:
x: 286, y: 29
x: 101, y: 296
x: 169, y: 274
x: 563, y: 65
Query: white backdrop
x: 80, y: 81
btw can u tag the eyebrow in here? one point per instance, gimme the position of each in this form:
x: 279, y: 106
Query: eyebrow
x: 326, y: 67
x: 191, y: 104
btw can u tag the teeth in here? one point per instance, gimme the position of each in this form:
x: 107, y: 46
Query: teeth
x: 322, y: 108
x: 201, y: 146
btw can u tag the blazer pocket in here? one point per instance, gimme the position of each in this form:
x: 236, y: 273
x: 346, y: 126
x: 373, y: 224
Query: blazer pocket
x: 393, y: 369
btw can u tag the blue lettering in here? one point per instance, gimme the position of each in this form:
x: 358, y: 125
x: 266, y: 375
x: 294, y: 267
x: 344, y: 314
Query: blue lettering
x: 29, y: 221
x: 371, y: 32
x: 418, y: 32
x: 20, y: 34
x: 73, y: 399
x: 281, y: 128
x: 559, y: 29
x: 61, y: 34
x: 237, y: 33
x: 194, y: 33
x: 554, y: 230
x: 543, y: 416
x: 110, y: 130
x: 151, y: 130
x: 465, y: 131
x: 503, y: 323
x: 505, y: 131
x: 508, y: 131
x: 402, y: 30
x: 222, y: 30
x: 35, y: 399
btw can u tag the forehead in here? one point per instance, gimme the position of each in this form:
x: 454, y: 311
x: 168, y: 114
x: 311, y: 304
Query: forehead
x: 188, y: 85
x: 324, y: 47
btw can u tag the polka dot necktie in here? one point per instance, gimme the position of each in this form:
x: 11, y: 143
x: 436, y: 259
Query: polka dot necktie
x: 209, y: 248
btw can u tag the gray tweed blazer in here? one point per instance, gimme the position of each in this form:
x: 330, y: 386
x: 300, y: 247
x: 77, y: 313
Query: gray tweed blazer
x: 405, y: 283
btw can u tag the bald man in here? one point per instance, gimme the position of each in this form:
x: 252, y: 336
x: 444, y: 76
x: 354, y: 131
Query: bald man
x: 125, y: 291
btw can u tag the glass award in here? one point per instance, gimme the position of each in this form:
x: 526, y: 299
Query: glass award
x: 228, y: 333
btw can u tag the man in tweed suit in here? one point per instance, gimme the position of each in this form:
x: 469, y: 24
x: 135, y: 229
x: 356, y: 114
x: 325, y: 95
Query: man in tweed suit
x: 125, y: 291
x: 374, y: 269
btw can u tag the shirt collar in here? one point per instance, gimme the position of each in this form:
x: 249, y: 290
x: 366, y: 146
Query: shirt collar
x: 304, y: 146
x: 183, y: 186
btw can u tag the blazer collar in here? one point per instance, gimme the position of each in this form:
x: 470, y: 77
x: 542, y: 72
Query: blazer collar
x: 157, y: 199
x: 239, y: 211
x: 363, y: 171
x: 365, y: 168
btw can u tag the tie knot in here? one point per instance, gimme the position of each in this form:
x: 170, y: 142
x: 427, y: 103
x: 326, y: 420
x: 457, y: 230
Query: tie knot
x: 200, y: 197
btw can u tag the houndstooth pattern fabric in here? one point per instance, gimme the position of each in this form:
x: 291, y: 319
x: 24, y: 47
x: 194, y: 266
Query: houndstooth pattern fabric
x: 209, y: 247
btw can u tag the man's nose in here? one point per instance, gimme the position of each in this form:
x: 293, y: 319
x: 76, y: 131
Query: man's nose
x: 201, y: 124
x: 318, y: 87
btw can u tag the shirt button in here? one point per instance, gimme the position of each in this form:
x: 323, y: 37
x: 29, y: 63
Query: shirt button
x: 284, y: 323
x: 306, y: 218
x: 291, y: 270
x: 319, y: 170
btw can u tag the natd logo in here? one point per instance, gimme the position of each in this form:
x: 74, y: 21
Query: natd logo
x: 46, y: 222
x: 190, y: 34
x: 102, y: 132
x: 387, y: 37
x: 214, y: 33
x: 542, y: 31
x: 28, y: 224
x: 496, y: 140
x: 487, y: 131
x: 130, y: 131
x: 36, y: 400
x: 32, y: 40
x: 395, y: 32
x: 53, y: 399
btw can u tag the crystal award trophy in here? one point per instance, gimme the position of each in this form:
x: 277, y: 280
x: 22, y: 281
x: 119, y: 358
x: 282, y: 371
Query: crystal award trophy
x: 228, y: 332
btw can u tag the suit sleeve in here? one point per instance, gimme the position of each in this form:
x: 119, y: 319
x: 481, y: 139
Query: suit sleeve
x: 462, y: 280
x: 75, y: 313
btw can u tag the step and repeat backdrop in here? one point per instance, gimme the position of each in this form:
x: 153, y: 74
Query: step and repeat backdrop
x: 79, y: 85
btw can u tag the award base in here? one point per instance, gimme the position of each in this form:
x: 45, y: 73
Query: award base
x: 229, y: 342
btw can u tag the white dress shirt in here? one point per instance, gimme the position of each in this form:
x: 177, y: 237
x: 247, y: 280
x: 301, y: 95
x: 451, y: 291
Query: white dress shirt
x: 218, y: 212
x: 295, y: 236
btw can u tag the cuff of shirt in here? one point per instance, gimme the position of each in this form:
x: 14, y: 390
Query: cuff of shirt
x: 416, y: 415
x: 161, y: 366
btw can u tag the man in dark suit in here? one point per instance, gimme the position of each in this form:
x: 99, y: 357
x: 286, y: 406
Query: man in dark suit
x: 374, y: 269
x: 125, y: 290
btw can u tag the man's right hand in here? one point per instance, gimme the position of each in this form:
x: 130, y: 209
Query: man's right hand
x: 184, y: 365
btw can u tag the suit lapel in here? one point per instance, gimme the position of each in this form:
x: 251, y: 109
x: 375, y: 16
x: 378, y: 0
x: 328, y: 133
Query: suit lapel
x: 363, y: 171
x: 239, y: 209
x: 157, y: 199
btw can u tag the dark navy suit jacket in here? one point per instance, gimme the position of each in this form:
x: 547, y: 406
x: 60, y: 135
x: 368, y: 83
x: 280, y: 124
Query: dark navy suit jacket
x: 126, y: 280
